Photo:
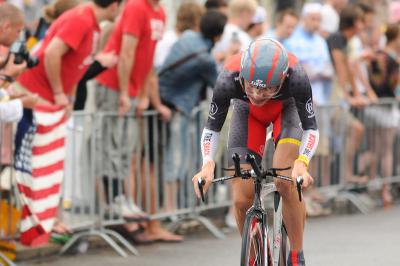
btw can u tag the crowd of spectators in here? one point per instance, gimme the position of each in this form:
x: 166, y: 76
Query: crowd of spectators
x: 350, y: 54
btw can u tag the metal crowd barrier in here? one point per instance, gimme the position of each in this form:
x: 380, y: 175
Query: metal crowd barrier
x: 96, y: 199
x: 361, y: 132
x: 9, y: 206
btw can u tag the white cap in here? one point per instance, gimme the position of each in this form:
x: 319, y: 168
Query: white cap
x: 309, y: 8
x: 259, y: 16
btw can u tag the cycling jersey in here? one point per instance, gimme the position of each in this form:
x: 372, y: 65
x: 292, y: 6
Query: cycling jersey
x: 290, y: 111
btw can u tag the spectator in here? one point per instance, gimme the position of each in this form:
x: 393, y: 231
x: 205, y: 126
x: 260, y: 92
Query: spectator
x: 180, y: 87
x: 235, y: 38
x: 384, y: 72
x: 318, y: 66
x: 258, y: 23
x: 122, y: 89
x: 345, y: 89
x: 187, y: 18
x: 66, y: 52
x: 361, y: 53
x: 11, y: 24
x: 50, y: 13
x: 219, y: 5
x: 330, y: 16
x: 316, y: 61
x: 285, y: 24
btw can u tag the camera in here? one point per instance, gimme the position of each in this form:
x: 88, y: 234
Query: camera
x: 21, y: 54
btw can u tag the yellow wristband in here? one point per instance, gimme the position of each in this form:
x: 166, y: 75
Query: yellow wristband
x: 304, y: 159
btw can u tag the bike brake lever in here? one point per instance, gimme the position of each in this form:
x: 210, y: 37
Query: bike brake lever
x: 201, y: 182
x: 299, y: 182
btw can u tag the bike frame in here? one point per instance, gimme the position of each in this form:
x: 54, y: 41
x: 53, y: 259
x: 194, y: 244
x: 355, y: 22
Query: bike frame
x: 261, y: 192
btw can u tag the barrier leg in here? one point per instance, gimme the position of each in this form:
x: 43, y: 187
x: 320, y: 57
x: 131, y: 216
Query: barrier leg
x: 100, y: 234
x: 201, y: 219
x: 123, y: 241
x: 7, y: 260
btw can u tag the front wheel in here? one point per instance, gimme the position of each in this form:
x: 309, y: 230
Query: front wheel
x: 253, y: 240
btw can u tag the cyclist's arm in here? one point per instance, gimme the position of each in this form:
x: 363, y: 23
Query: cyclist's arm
x: 301, y: 91
x: 52, y: 63
x: 225, y: 89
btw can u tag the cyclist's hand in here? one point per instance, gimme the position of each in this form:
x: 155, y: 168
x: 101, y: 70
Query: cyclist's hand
x: 61, y: 99
x: 124, y: 104
x: 207, y: 173
x: 300, y: 169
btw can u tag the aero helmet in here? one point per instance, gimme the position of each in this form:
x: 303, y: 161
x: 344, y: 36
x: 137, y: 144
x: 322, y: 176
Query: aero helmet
x: 264, y: 63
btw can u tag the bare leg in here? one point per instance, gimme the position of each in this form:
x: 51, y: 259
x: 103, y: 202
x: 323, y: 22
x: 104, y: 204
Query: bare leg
x: 243, y: 194
x: 294, y: 213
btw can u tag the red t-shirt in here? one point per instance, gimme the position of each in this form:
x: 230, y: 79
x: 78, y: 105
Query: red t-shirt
x: 144, y: 22
x: 78, y: 29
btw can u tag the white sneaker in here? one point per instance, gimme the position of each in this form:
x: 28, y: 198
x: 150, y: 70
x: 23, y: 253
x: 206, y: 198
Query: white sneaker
x: 128, y: 210
x: 230, y: 220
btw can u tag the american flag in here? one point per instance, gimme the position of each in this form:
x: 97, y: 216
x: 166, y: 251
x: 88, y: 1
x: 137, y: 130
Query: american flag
x: 39, y: 164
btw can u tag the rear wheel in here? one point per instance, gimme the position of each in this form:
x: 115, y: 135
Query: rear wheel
x: 253, y: 241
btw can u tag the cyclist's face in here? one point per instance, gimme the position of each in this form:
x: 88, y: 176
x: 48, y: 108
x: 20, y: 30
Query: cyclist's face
x: 259, y: 96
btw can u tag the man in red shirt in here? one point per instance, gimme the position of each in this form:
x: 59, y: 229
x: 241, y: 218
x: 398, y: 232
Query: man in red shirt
x: 67, y: 51
x: 134, y: 38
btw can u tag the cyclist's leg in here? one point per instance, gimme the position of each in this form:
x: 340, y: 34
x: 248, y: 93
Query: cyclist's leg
x: 287, y: 135
x: 246, y: 135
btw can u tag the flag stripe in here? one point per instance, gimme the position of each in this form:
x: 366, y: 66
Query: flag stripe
x: 39, y: 194
x: 46, y: 139
x: 38, y: 206
x: 48, y: 169
x: 47, y: 159
x: 40, y: 182
x: 46, y: 129
x: 58, y: 143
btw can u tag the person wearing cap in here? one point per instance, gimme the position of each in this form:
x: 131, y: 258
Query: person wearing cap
x: 318, y: 66
x: 266, y: 85
x: 256, y: 28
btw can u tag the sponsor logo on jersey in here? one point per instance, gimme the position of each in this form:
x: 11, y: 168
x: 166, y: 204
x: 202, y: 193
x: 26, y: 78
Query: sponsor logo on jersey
x: 207, y: 143
x: 309, y: 108
x: 258, y: 83
x: 213, y: 110
x: 311, y: 141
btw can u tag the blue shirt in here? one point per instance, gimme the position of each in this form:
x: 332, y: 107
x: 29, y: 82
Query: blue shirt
x: 313, y: 53
x: 182, y: 85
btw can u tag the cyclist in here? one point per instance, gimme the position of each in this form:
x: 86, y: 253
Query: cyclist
x: 266, y: 85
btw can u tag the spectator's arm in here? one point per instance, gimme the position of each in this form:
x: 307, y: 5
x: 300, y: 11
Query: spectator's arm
x: 342, y: 70
x: 154, y: 94
x: 11, y: 111
x: 52, y: 63
x: 125, y: 63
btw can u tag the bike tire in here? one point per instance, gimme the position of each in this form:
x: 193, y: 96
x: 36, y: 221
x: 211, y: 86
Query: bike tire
x: 253, y: 238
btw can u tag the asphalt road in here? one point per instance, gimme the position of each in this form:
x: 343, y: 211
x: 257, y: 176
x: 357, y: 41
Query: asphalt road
x: 364, y: 240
